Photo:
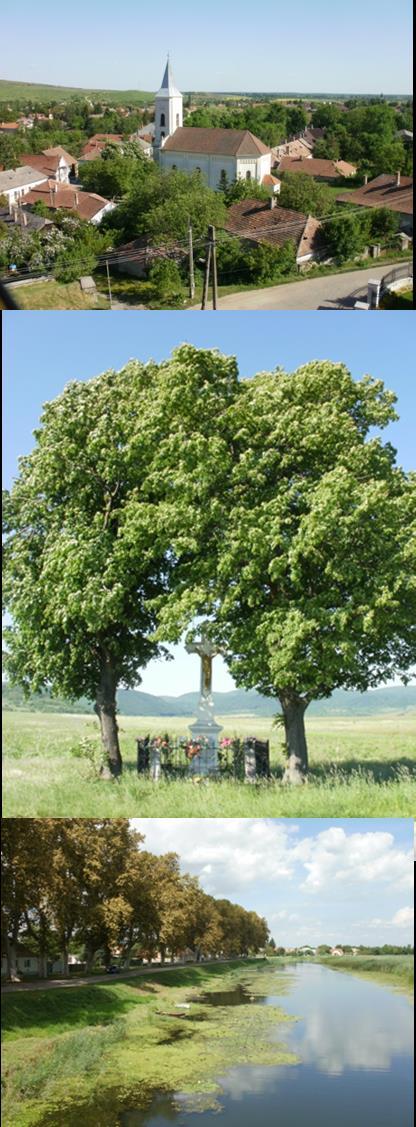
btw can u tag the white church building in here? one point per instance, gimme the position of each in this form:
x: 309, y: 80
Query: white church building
x: 234, y: 153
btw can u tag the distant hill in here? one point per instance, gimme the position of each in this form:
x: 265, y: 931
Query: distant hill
x: 11, y: 90
x: 40, y: 92
x: 132, y: 702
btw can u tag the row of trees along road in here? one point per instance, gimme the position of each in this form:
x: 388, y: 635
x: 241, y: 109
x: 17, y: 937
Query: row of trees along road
x: 88, y: 885
x: 163, y: 491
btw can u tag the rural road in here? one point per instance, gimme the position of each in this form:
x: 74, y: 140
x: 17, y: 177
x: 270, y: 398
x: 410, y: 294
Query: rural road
x: 331, y: 292
x: 58, y: 983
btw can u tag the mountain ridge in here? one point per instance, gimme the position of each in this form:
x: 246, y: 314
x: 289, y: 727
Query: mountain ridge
x: 134, y: 702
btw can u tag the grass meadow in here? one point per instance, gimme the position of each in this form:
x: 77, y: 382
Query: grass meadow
x: 358, y: 768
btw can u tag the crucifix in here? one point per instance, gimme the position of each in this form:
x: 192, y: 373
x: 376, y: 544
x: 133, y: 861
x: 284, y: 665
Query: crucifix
x: 206, y: 650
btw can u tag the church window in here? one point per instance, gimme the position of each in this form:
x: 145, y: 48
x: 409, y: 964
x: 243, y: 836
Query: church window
x: 248, y: 175
x: 177, y: 121
x: 162, y: 119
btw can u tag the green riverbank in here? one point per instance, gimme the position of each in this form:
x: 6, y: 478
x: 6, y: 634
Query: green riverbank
x: 389, y: 970
x: 73, y: 1055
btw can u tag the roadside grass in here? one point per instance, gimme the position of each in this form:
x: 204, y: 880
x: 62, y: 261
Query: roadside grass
x: 358, y: 768
x: 396, y: 970
x: 56, y: 295
x: 67, y: 1077
x: 403, y: 299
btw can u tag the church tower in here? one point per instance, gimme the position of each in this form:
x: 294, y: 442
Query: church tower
x: 168, y: 108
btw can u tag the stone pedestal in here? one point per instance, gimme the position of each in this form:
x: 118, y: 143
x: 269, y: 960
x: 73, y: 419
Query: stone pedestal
x: 205, y: 727
x: 155, y: 764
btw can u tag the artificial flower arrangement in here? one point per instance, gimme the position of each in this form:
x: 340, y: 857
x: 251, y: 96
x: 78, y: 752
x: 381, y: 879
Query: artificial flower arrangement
x: 192, y: 748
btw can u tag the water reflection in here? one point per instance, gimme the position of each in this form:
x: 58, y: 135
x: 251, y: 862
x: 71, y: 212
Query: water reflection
x: 346, y: 1022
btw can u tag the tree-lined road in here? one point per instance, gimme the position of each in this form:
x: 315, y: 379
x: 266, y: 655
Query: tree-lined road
x: 92, y: 979
x: 333, y: 291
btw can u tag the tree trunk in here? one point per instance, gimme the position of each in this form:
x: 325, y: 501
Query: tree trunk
x: 11, y: 958
x: 294, y: 708
x: 105, y: 707
x: 89, y: 959
x: 65, y: 954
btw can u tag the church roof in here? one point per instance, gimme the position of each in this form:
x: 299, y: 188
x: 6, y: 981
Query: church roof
x: 168, y: 88
x: 221, y: 142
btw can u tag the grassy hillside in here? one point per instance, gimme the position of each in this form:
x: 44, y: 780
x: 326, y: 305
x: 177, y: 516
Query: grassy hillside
x: 237, y: 703
x: 38, y: 92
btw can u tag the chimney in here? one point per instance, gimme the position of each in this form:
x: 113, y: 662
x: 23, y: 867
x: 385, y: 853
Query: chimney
x: 272, y: 201
x: 398, y: 178
x: 366, y: 178
x: 51, y: 196
x: 75, y: 199
x: 24, y: 217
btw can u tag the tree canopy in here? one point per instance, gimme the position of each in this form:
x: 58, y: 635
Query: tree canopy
x: 316, y: 571
x: 163, y: 491
x: 89, y: 885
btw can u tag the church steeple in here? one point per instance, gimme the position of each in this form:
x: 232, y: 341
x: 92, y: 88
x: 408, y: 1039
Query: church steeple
x: 168, y: 107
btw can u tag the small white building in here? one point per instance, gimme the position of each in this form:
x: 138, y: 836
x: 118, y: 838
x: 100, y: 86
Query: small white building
x: 17, y: 182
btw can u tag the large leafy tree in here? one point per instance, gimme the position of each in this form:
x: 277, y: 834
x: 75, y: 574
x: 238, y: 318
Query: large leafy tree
x: 316, y: 569
x: 107, y: 509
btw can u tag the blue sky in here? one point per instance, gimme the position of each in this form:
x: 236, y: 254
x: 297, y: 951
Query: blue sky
x: 43, y: 351
x: 303, y: 46
x: 315, y: 880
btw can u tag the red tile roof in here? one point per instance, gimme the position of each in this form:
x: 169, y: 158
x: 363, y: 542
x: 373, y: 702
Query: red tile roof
x: 54, y: 195
x: 328, y: 169
x: 224, y: 142
x: 48, y: 160
x: 384, y: 191
x: 255, y: 220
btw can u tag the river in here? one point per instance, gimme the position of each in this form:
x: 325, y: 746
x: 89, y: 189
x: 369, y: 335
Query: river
x: 354, y: 1041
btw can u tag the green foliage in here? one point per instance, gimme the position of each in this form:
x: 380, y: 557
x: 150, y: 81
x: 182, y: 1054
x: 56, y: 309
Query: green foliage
x: 302, y: 193
x: 243, y: 190
x: 167, y: 286
x: 347, y: 235
x: 70, y: 264
x: 114, y: 173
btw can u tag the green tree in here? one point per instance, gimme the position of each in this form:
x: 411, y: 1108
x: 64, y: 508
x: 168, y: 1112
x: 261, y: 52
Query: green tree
x: 346, y: 235
x: 316, y: 567
x: 302, y: 193
x: 123, y: 478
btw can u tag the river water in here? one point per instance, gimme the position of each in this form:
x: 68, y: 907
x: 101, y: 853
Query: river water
x: 354, y: 1040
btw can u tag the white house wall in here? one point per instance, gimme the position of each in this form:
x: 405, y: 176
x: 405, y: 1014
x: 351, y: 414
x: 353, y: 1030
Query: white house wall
x: 211, y: 166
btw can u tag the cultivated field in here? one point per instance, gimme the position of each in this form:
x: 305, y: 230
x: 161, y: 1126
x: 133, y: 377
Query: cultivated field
x: 358, y: 768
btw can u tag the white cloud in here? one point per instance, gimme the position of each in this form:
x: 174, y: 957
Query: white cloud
x: 337, y: 857
x: 228, y: 853
x: 404, y: 917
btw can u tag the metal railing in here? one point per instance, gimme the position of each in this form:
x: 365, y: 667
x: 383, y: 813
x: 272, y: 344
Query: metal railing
x: 405, y: 270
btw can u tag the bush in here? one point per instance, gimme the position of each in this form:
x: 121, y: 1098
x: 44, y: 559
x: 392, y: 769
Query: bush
x: 166, y: 282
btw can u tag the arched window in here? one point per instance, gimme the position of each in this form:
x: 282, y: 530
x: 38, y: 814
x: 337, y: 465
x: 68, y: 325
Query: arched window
x: 248, y: 175
x: 162, y: 119
x: 177, y: 121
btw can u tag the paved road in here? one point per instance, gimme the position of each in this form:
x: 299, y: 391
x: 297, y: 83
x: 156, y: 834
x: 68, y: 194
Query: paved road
x: 58, y: 983
x: 331, y: 292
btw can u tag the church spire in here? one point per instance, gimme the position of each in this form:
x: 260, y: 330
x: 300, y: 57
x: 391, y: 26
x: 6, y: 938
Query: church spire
x: 168, y: 88
x: 168, y: 108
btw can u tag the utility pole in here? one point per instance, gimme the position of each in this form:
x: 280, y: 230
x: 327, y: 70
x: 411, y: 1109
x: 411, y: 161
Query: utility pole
x: 109, y: 284
x: 214, y: 267
x: 191, y: 264
x: 206, y: 274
